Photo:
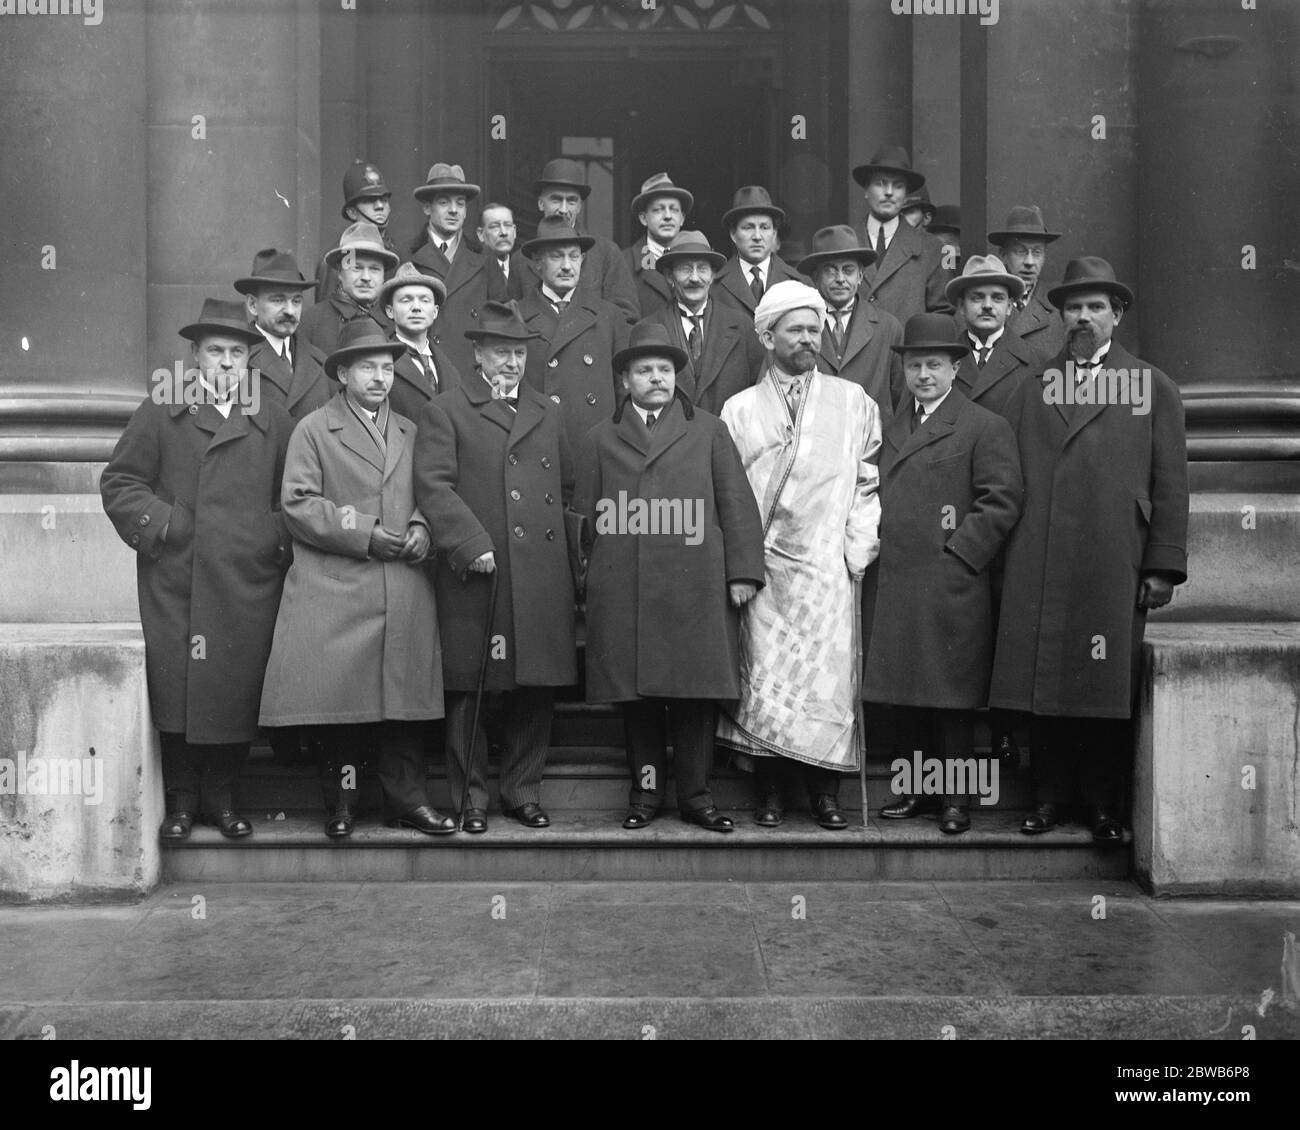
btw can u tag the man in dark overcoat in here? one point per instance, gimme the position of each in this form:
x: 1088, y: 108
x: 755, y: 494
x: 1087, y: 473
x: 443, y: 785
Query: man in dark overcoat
x: 572, y: 360
x: 1022, y: 245
x: 984, y: 295
x: 858, y: 339
x: 908, y: 275
x: 367, y: 199
x: 492, y: 475
x: 410, y: 299
x: 754, y: 224
x: 661, y: 207
x: 950, y: 492
x: 193, y: 486
x: 1103, y: 539
x: 723, y: 354
x: 362, y: 261
x: 497, y: 232
x: 677, y: 548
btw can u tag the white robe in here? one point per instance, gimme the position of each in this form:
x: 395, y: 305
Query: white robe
x: 815, y: 479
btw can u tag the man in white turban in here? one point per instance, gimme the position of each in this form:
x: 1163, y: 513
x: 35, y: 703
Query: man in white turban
x: 809, y: 444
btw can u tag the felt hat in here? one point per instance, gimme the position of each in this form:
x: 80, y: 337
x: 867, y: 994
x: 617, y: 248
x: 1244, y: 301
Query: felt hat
x: 357, y: 337
x: 1023, y: 220
x: 649, y: 339
x: 362, y: 238
x: 566, y: 173
x: 691, y: 245
x: 984, y: 270
x: 500, y: 319
x: 1089, y: 273
x: 933, y: 333
x: 221, y: 316
x: 408, y: 274
x: 890, y: 159
x: 661, y: 185
x: 273, y: 268
x: 751, y: 198
x: 445, y: 178
x: 837, y: 242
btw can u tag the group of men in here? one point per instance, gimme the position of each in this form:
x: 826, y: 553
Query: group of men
x: 771, y: 499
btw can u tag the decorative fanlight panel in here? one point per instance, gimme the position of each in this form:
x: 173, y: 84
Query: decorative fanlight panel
x: 636, y: 15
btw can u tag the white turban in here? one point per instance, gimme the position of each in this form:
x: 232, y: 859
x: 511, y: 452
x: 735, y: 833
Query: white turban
x: 784, y: 297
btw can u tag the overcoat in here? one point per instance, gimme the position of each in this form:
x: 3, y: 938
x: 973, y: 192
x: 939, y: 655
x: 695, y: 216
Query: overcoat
x: 356, y: 639
x: 868, y: 359
x: 659, y: 618
x: 208, y: 595
x: 411, y: 390
x: 1009, y: 365
x: 911, y: 277
x: 1105, y: 501
x: 301, y: 389
x: 572, y: 361
x: 520, y: 275
x: 322, y: 322
x: 469, y: 285
x: 1039, y: 325
x: 950, y: 492
x: 491, y: 479
x: 732, y: 358
x: 731, y: 284
x: 605, y: 276
x: 652, y: 289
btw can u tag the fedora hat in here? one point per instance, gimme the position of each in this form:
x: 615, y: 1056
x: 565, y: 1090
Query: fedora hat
x: 501, y: 319
x: 1089, y: 273
x: 273, y: 268
x: 751, y: 198
x: 830, y: 244
x: 551, y: 229
x: 661, y: 184
x: 445, y: 178
x: 408, y: 274
x: 362, y: 180
x: 691, y: 245
x: 566, y: 173
x: 919, y: 199
x: 890, y: 159
x: 220, y: 316
x: 935, y: 333
x: 984, y: 270
x: 359, y: 336
x: 947, y: 217
x: 362, y: 237
x: 649, y: 338
x: 1023, y: 220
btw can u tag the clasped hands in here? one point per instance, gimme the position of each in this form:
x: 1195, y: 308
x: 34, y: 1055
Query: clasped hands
x: 411, y: 546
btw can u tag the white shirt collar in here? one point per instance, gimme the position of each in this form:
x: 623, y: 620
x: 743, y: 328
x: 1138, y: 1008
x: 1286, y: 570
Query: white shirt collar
x: 654, y: 245
x: 644, y: 413
x: 411, y: 344
x: 931, y: 408
x: 845, y: 312
x: 763, y: 265
x: 975, y: 342
x: 890, y: 226
x: 551, y: 296
x: 1095, y: 360
x: 279, y: 344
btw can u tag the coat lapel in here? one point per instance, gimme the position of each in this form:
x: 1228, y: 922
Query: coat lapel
x: 305, y: 371
x: 406, y: 370
x: 904, y: 247
x: 397, y: 441
x: 721, y: 336
x: 632, y: 431
x: 1008, y: 354
x: 575, y: 321
x: 351, y: 434
x: 1081, y: 415
x: 271, y: 365
x: 935, y: 429
x: 733, y: 281
x: 668, y: 429
x: 862, y: 328
x: 530, y: 411
x: 479, y: 393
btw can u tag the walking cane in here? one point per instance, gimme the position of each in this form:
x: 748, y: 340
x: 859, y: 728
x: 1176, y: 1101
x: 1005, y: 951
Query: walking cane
x: 860, y: 716
x: 478, y: 701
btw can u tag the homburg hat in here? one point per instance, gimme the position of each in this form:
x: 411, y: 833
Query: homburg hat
x: 501, y: 319
x: 649, y: 339
x: 751, y: 198
x: 221, y: 316
x: 1089, y: 273
x: 564, y: 172
x: 833, y: 243
x: 551, y: 230
x: 357, y: 337
x: 273, y: 268
x: 445, y: 178
x: 691, y: 245
x: 1024, y: 220
x: 890, y: 159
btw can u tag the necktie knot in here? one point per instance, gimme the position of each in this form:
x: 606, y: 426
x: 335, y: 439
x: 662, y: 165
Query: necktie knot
x: 650, y: 420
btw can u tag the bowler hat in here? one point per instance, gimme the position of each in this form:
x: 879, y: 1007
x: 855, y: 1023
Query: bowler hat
x: 362, y: 238
x: 933, y: 333
x: 500, y: 319
x: 751, y: 198
x: 890, y: 159
x: 359, y: 336
x: 833, y: 243
x: 566, y: 173
x: 551, y: 229
x: 220, y: 316
x: 691, y: 245
x: 273, y: 268
x: 649, y: 339
x: 661, y: 185
x: 445, y: 178
x: 362, y: 180
x: 919, y: 199
x: 408, y: 274
x: 1089, y: 273
x: 984, y: 270
x: 1023, y: 220
x: 947, y: 217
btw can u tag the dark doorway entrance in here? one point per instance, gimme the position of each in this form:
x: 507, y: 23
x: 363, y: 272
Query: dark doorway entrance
x: 705, y: 122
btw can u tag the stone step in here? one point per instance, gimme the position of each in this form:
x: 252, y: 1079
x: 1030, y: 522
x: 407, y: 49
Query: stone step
x: 591, y: 844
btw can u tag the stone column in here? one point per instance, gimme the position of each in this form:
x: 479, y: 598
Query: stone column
x: 879, y: 48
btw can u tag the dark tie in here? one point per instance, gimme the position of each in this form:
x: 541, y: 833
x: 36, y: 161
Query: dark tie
x: 510, y: 402
x: 918, y: 416
x: 443, y: 248
x: 837, y: 333
x: 505, y: 267
x: 982, y: 355
x: 756, y: 284
x: 288, y: 353
x: 560, y: 304
x: 426, y: 359
x: 650, y: 420
x: 880, y: 244
x: 695, y: 341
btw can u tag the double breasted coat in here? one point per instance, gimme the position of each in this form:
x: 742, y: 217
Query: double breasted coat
x: 300, y: 389
x: 731, y: 284
x: 1039, y: 325
x: 209, y: 593
x: 1106, y: 500
x: 572, y: 361
x: 412, y: 389
x: 652, y: 290
x: 659, y: 618
x: 469, y: 285
x: 605, y: 277
x: 950, y: 492
x: 490, y: 479
x: 867, y: 358
x: 911, y: 277
x: 732, y: 357
x: 356, y: 639
x: 1011, y: 363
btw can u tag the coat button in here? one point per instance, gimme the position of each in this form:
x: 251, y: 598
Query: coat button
x: 512, y: 458
x: 519, y: 531
x: 587, y: 360
x: 549, y: 500
x: 437, y: 340
x: 873, y: 298
x: 546, y: 461
x: 591, y: 398
x: 135, y: 539
x: 144, y: 519
x: 555, y: 398
x: 550, y: 535
x: 473, y: 313
x: 194, y: 409
x: 552, y: 363
x: 515, y: 495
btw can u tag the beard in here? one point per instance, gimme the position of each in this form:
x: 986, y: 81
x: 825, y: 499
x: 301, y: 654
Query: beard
x: 1084, y: 342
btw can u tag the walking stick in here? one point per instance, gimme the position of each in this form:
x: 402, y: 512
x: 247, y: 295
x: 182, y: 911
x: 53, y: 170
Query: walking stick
x: 861, y: 714
x: 478, y: 700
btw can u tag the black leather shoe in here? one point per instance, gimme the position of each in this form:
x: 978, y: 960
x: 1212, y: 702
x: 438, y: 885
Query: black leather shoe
x: 638, y: 816
x: 424, y: 818
x: 176, y: 826
x: 1043, y: 819
x: 908, y: 807
x: 230, y: 824
x: 339, y: 824
x: 710, y: 819
x: 1106, y: 829
x: 530, y: 815
x: 826, y: 811
x: 475, y: 821
x: 954, y: 819
x: 769, y: 812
